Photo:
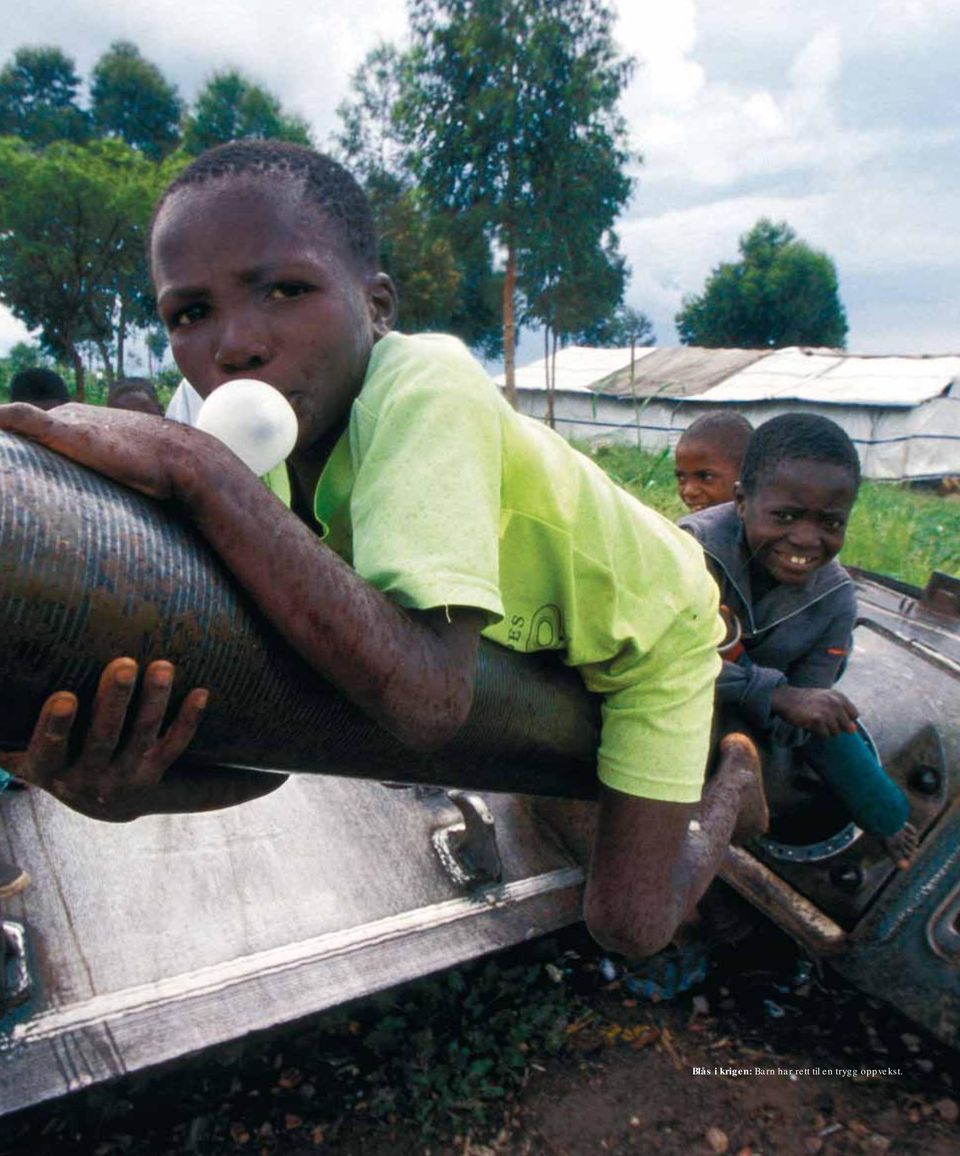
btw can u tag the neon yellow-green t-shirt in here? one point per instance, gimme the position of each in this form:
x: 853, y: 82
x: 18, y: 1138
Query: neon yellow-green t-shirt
x: 440, y: 494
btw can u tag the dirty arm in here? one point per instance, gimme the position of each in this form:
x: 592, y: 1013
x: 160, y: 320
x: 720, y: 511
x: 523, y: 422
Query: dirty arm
x: 412, y: 672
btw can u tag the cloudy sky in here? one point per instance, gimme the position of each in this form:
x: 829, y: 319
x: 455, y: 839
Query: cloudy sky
x: 841, y: 118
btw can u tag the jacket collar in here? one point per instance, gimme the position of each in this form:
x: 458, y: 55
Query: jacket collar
x: 720, y: 533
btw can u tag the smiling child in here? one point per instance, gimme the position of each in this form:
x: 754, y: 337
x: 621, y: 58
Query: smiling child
x: 773, y: 553
x: 416, y: 511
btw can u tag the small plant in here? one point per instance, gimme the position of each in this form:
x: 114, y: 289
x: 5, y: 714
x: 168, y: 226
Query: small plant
x: 450, y: 1052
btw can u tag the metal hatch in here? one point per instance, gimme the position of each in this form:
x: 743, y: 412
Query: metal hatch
x: 151, y: 940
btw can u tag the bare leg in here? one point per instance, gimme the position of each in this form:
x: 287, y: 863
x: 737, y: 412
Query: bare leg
x: 902, y: 847
x: 733, y: 810
x: 652, y: 861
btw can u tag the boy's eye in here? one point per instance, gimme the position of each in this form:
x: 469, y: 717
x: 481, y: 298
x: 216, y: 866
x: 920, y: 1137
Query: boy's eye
x: 833, y: 523
x: 187, y: 316
x: 284, y: 290
x: 785, y: 517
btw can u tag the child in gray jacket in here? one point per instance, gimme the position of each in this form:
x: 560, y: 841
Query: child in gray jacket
x: 773, y: 552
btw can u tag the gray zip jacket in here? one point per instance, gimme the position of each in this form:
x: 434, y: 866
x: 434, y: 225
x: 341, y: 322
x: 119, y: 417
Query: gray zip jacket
x: 799, y: 635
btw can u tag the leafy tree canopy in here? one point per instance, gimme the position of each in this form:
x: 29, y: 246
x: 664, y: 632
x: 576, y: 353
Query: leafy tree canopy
x: 72, y: 233
x: 38, y: 98
x: 131, y: 99
x: 511, y: 112
x: 440, y: 260
x: 230, y: 107
x: 781, y: 292
x: 624, y: 327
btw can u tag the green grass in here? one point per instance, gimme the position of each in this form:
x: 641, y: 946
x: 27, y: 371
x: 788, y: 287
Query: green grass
x: 896, y: 530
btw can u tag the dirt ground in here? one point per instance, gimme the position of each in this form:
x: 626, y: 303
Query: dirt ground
x: 761, y: 1058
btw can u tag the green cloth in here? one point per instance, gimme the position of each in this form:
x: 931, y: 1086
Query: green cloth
x: 849, y: 766
x: 439, y: 494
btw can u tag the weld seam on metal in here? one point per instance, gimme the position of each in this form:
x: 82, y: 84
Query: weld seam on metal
x: 220, y: 977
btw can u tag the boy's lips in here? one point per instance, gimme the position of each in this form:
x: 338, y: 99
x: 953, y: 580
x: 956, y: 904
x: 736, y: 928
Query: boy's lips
x: 794, y: 560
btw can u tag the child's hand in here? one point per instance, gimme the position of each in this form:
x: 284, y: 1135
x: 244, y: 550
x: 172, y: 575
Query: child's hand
x: 111, y: 780
x: 135, y: 449
x: 824, y: 713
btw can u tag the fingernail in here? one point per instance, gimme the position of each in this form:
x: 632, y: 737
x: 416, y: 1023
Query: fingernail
x: 62, y: 707
x: 162, y: 677
x: 126, y: 675
x: 202, y: 699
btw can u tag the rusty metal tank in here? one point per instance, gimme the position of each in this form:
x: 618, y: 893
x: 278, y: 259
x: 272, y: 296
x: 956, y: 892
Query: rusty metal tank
x: 90, y: 570
x: 140, y: 943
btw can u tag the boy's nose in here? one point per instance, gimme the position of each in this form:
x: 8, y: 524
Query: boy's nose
x: 804, y: 533
x: 241, y: 349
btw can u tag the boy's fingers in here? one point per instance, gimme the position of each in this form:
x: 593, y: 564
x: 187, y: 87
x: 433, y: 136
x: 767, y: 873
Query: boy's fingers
x: 109, y: 712
x: 154, y: 699
x: 181, y: 731
x: 18, y: 417
x: 46, y: 756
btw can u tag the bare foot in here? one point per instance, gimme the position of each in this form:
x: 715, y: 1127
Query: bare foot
x: 902, y: 846
x: 737, y: 752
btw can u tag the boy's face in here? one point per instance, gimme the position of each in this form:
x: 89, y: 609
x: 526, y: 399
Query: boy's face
x: 253, y: 281
x: 705, y: 477
x: 796, y: 518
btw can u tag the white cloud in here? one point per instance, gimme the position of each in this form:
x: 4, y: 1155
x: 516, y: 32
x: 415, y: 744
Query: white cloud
x: 12, y: 331
x: 835, y: 117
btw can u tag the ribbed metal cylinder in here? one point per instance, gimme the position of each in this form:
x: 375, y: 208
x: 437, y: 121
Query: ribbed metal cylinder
x: 90, y: 571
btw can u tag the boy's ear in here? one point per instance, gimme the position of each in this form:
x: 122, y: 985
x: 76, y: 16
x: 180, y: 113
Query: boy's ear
x: 382, y: 295
x: 739, y: 497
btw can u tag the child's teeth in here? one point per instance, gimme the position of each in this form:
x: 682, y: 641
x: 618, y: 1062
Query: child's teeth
x: 797, y: 561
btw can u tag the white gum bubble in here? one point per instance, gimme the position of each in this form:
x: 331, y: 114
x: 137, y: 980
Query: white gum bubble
x: 254, y: 420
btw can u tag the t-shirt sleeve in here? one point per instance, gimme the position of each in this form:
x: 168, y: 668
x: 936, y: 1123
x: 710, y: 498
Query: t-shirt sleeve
x: 425, y: 508
x: 658, y: 705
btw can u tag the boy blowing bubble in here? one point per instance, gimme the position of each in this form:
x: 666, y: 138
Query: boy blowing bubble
x: 422, y: 512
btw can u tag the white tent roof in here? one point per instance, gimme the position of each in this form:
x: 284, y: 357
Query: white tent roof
x: 578, y: 368
x: 840, y: 379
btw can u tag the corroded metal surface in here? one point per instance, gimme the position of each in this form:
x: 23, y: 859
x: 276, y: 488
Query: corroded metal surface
x: 90, y: 571
x: 155, y: 939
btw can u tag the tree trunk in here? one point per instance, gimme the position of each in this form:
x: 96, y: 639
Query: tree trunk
x: 78, y: 372
x: 552, y: 391
x: 104, y: 351
x: 546, y: 370
x: 121, y: 336
x: 509, y: 324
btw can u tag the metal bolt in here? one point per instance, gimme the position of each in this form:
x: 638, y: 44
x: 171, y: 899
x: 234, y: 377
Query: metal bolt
x: 846, y: 877
x: 925, y: 779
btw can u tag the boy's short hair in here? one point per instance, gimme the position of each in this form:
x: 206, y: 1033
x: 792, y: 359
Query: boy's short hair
x: 124, y: 385
x: 326, y: 183
x: 729, y: 432
x: 797, y: 437
x: 39, y: 385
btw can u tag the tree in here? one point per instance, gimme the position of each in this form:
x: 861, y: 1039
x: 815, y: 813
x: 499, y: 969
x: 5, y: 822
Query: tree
x: 440, y: 261
x: 130, y: 99
x: 509, y: 101
x: 623, y: 327
x: 589, y: 284
x: 230, y: 107
x: 781, y: 292
x: 73, y: 225
x: 370, y: 136
x: 38, y: 98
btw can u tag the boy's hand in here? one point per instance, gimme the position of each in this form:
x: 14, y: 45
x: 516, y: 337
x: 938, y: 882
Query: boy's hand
x: 112, y: 780
x: 825, y: 713
x: 135, y: 449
